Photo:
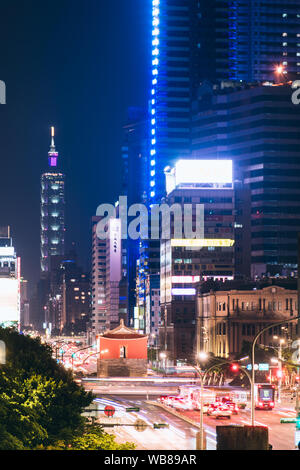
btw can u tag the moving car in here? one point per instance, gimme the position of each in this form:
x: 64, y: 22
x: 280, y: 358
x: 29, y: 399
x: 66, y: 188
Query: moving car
x: 219, y: 410
x: 233, y: 407
x: 228, y: 402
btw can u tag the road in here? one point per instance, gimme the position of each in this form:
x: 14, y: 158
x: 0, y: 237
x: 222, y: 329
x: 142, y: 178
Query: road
x: 281, y: 436
x: 182, y: 435
x: 179, y: 436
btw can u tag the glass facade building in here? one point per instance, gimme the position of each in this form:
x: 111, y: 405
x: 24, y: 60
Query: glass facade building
x: 193, y: 41
x: 258, y: 128
x: 173, y: 78
x: 52, y: 210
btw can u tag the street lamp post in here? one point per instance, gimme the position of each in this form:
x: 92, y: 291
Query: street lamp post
x: 163, y: 356
x: 281, y: 341
x: 202, y: 356
x: 153, y: 335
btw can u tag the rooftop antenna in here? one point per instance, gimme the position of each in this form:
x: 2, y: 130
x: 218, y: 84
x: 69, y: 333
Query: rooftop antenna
x: 52, y: 137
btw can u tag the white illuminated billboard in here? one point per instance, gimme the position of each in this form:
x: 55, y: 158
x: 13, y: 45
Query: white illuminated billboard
x: 203, y: 171
x: 115, y: 249
x: 183, y: 291
x: 7, y: 251
x: 9, y: 301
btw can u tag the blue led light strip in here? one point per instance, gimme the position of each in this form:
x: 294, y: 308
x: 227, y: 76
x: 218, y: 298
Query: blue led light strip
x: 155, y: 72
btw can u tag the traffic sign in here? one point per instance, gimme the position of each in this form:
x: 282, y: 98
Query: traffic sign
x: 263, y: 367
x: 249, y: 367
x: 297, y: 438
x: 109, y: 411
x: 160, y: 425
x: 287, y: 420
x: 131, y: 410
x: 140, y: 425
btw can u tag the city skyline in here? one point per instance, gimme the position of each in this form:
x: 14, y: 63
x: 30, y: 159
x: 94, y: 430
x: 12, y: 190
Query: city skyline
x: 76, y: 96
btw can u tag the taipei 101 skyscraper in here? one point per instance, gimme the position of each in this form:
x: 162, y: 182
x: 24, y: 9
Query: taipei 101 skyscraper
x: 52, y: 209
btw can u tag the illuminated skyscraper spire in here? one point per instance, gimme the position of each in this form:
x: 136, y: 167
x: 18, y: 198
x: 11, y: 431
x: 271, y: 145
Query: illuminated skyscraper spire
x: 52, y: 138
x: 52, y: 154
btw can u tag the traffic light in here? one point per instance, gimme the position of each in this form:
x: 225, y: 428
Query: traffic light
x: 234, y: 367
x: 132, y: 410
x: 298, y: 423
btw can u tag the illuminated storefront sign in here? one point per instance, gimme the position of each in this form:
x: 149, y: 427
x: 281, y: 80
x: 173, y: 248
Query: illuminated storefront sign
x: 182, y: 291
x: 202, y: 242
x: 185, y: 279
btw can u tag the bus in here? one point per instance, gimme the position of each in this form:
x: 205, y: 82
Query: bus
x: 264, y: 396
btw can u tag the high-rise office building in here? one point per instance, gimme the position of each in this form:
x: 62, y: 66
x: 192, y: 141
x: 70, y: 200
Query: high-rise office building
x: 215, y: 40
x: 152, y: 313
x: 10, y: 276
x: 262, y: 35
x: 24, y: 304
x: 69, y: 296
x: 135, y: 156
x: 174, y: 77
x: 134, y: 186
x: 52, y: 209
x: 187, y: 261
x: 258, y: 128
x: 99, y: 321
x: 109, y: 303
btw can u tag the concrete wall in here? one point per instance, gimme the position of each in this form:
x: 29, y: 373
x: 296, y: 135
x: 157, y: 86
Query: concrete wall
x: 122, y: 367
x: 242, y: 438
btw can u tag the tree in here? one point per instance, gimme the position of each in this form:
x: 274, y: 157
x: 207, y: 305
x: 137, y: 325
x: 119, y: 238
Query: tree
x: 94, y: 438
x: 19, y: 416
x: 39, y: 401
x: 41, y: 405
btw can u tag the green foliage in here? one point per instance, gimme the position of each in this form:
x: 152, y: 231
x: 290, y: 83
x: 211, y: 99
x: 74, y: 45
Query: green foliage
x: 287, y: 356
x: 94, y: 438
x: 40, y: 404
x: 39, y: 401
x: 9, y: 442
x: 30, y: 356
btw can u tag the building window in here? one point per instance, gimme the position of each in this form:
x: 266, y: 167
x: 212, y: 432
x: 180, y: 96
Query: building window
x: 123, y: 352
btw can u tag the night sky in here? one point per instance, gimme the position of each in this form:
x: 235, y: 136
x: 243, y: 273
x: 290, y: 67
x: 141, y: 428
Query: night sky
x: 77, y: 65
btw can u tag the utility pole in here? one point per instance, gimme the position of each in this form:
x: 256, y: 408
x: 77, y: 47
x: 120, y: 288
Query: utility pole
x: 280, y: 370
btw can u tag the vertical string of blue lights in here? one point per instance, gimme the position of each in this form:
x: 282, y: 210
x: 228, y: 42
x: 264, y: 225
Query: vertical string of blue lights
x: 153, y: 108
